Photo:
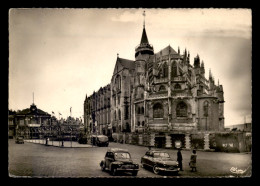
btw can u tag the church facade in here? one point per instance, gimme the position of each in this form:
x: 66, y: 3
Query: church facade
x: 161, y: 97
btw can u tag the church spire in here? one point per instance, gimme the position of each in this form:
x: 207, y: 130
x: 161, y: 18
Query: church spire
x: 144, y: 18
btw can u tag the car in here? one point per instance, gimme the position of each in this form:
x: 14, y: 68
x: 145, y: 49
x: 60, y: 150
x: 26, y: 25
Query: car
x: 19, y: 139
x: 159, y: 161
x: 100, y: 140
x: 119, y: 160
x: 83, y: 140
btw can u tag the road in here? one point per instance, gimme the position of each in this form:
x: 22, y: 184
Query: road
x: 37, y: 160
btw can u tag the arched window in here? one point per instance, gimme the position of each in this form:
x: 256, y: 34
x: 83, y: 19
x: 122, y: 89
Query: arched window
x: 138, y: 110
x: 174, y: 70
x: 138, y: 123
x: 127, y: 127
x: 177, y: 87
x: 162, y: 88
x: 142, y: 110
x: 165, y: 70
x: 119, y: 114
x: 142, y: 123
x: 158, y: 110
x: 206, y: 108
x: 118, y: 82
x: 115, y: 115
x: 181, y: 109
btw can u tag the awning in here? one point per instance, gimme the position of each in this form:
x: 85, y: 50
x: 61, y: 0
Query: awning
x: 34, y: 125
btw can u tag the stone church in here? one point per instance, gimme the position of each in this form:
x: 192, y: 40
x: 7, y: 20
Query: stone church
x: 161, y: 97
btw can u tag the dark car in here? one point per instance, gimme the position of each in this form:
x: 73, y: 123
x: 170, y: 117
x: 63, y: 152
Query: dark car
x: 19, y: 139
x: 159, y: 161
x: 100, y: 140
x: 119, y: 160
x: 83, y: 140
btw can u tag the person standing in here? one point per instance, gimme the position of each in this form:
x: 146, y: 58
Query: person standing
x: 193, y: 159
x: 179, y: 159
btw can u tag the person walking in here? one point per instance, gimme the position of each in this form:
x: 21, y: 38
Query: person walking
x: 179, y: 159
x: 193, y: 159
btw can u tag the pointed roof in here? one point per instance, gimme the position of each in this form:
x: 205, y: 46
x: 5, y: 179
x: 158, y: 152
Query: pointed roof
x: 144, y: 39
x: 166, y: 51
x: 129, y: 64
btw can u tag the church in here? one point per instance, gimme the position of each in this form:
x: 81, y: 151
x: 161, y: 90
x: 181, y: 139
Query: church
x: 159, y: 99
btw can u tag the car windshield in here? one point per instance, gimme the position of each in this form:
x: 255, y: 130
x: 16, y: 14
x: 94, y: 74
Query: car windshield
x: 122, y: 155
x: 102, y: 138
x: 161, y: 155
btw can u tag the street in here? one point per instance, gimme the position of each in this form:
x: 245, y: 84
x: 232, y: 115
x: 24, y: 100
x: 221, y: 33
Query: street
x: 38, y: 160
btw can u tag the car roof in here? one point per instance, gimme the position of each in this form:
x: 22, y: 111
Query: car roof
x: 117, y: 150
x: 157, y: 151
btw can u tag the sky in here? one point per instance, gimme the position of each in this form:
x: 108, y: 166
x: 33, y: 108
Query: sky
x: 62, y: 55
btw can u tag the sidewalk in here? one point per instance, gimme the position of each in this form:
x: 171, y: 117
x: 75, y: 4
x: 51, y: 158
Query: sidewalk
x: 67, y: 144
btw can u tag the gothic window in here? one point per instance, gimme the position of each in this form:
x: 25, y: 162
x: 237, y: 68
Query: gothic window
x: 115, y: 115
x: 119, y: 114
x: 181, y: 109
x: 158, y: 110
x: 162, y: 88
x: 118, y: 100
x: 174, y: 70
x: 126, y: 112
x: 142, y: 123
x: 118, y: 82
x: 142, y: 110
x: 138, y: 123
x: 128, y: 127
x: 138, y: 110
x: 165, y: 70
x: 177, y: 87
x: 206, y: 108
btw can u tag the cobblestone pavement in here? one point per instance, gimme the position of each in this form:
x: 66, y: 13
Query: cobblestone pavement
x: 36, y: 160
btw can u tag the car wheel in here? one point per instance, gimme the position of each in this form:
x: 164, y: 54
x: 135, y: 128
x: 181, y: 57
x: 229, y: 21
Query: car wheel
x: 134, y: 173
x: 155, y: 169
x: 114, y: 172
x: 142, y: 165
x: 103, y: 167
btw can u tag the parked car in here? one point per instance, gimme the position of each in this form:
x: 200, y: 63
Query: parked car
x: 19, y: 139
x: 159, y: 161
x: 83, y: 140
x: 119, y: 160
x: 99, y: 140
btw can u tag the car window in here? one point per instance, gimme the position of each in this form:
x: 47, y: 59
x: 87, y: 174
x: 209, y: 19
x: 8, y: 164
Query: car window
x: 122, y: 155
x: 161, y: 155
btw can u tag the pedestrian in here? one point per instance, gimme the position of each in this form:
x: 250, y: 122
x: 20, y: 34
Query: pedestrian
x: 179, y: 159
x: 193, y: 159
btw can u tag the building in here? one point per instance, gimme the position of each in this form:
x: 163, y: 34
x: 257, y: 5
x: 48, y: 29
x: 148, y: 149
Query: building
x: 162, y: 99
x: 245, y: 127
x: 97, y: 111
x: 27, y: 122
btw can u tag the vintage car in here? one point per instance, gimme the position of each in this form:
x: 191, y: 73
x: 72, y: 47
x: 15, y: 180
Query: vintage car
x: 119, y: 160
x: 159, y: 161
x: 100, y: 140
x: 19, y: 139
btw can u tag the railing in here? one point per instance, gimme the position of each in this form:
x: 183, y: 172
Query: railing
x: 144, y: 46
x: 179, y: 79
x: 181, y: 94
x: 161, y: 80
x: 158, y: 95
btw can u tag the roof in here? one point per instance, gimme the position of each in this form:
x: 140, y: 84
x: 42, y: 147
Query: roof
x: 117, y: 150
x: 166, y: 51
x: 144, y: 38
x: 28, y: 111
x: 129, y: 64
